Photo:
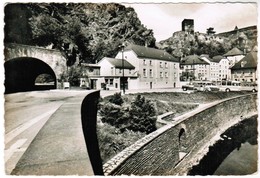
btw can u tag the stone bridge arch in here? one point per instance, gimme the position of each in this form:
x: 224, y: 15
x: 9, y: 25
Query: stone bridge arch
x: 23, y: 63
x: 159, y: 152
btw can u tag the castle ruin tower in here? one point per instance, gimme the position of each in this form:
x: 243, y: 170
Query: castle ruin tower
x: 188, y: 26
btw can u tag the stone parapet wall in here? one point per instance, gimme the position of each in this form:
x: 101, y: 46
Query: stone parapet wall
x: 163, y: 151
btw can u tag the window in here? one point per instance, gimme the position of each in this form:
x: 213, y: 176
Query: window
x: 166, y: 74
x: 111, y: 82
x: 151, y: 63
x: 144, y: 62
x: 161, y: 74
x: 112, y: 70
x: 166, y: 65
x: 144, y: 72
x: 161, y: 65
x: 151, y: 73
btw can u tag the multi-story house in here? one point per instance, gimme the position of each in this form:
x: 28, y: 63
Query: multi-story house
x: 155, y: 68
x: 246, y: 69
x: 90, y: 76
x: 115, y: 73
x: 213, y: 67
x: 234, y: 56
x: 224, y: 72
x: 195, y: 68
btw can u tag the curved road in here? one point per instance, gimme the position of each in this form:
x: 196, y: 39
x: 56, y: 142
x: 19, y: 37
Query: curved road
x: 43, y: 134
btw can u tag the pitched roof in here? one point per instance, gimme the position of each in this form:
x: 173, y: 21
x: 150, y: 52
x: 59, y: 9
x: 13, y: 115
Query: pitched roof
x: 234, y: 52
x: 89, y: 65
x: 217, y: 58
x: 193, y: 59
x: 206, y: 58
x: 118, y: 63
x: 152, y: 53
x: 249, y: 61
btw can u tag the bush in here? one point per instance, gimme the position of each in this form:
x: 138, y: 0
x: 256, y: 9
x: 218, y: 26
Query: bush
x: 142, y: 115
x: 112, y: 141
x: 116, y: 99
x: 111, y: 114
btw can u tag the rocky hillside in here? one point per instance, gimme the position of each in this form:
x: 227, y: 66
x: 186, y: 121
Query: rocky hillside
x: 182, y: 44
x: 86, y: 31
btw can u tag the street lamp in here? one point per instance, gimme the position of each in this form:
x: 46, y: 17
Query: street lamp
x: 123, y: 78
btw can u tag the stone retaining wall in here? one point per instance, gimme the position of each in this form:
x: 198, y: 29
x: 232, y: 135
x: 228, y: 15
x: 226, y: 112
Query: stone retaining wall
x: 163, y: 151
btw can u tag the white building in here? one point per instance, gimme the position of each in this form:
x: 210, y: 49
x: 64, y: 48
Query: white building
x: 246, y: 69
x: 234, y: 56
x: 195, y: 68
x: 115, y: 73
x: 213, y: 67
x: 155, y: 68
x: 224, y: 72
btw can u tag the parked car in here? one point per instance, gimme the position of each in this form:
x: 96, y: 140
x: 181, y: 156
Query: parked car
x: 188, y: 86
x: 205, y: 86
x: 228, y: 86
x: 201, y: 86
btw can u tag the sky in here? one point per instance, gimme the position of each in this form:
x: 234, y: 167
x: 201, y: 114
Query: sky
x: 165, y: 18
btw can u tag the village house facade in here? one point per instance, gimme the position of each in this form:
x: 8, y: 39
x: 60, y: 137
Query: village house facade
x: 116, y: 71
x: 213, y: 67
x: 154, y: 68
x: 195, y: 68
x: 224, y: 72
x: 234, y: 56
x: 90, y: 76
x: 245, y: 70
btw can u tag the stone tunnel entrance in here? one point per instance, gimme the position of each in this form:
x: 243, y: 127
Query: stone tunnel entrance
x: 26, y: 74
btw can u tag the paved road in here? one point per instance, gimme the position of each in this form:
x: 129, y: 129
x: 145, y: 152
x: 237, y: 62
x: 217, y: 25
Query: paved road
x: 43, y: 132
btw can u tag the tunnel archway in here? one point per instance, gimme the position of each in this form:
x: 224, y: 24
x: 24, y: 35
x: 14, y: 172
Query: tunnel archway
x: 21, y: 74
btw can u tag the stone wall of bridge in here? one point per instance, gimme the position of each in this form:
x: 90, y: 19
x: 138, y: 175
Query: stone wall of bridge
x: 175, y: 148
x: 53, y: 58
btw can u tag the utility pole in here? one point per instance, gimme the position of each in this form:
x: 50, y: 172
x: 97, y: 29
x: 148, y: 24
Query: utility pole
x: 123, y: 78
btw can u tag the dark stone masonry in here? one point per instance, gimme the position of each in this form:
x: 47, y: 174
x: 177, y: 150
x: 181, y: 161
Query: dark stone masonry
x: 175, y: 148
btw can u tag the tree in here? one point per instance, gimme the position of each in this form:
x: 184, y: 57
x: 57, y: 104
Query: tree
x: 210, y: 31
x: 88, y: 31
x: 142, y: 115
